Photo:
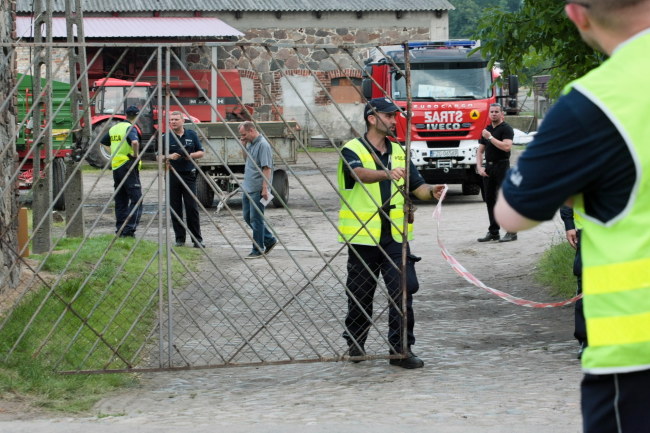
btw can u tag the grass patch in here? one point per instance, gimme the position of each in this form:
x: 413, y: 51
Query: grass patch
x: 98, y: 316
x: 555, y: 270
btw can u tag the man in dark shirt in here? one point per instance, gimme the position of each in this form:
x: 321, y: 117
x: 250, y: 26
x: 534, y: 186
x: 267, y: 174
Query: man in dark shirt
x: 367, y: 161
x: 495, y: 143
x: 184, y: 148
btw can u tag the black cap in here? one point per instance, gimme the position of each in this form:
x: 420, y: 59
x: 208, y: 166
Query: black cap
x: 132, y: 110
x: 379, y: 105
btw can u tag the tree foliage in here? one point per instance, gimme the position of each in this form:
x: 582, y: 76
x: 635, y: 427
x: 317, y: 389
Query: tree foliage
x: 464, y: 19
x: 536, y: 39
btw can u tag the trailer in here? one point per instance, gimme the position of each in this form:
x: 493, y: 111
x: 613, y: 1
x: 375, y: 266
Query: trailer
x: 223, y: 163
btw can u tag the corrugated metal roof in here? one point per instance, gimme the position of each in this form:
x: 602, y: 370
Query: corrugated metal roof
x: 137, y: 27
x: 25, y: 6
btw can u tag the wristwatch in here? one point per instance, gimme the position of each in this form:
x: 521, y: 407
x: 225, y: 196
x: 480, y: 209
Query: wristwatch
x: 490, y: 138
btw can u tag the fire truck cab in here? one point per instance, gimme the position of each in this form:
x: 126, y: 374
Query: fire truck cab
x: 451, y: 91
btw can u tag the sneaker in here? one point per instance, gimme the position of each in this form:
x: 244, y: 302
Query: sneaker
x: 270, y: 246
x: 179, y: 243
x: 199, y: 245
x: 409, y: 363
x: 255, y: 255
x: 489, y: 237
x: 509, y: 237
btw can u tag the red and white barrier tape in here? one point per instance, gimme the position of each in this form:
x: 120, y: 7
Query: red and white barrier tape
x: 460, y: 269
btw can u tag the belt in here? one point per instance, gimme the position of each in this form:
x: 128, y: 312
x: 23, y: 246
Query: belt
x: 497, y: 162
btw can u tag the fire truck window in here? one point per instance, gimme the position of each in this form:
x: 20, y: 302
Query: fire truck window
x: 445, y: 83
x: 346, y: 90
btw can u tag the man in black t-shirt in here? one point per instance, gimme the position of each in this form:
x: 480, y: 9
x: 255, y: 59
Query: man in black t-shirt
x: 184, y: 148
x: 495, y: 143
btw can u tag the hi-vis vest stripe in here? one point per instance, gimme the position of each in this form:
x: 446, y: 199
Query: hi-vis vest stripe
x: 360, y: 223
x: 616, y: 255
x: 120, y: 148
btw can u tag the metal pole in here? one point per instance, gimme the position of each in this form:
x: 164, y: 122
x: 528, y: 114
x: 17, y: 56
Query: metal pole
x: 74, y: 211
x: 42, y: 186
x: 407, y: 201
x: 213, y: 89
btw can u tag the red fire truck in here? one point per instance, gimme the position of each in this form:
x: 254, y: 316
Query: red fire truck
x: 451, y: 91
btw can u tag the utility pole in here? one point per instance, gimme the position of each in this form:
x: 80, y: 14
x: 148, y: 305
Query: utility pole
x: 42, y: 144
x: 80, y: 111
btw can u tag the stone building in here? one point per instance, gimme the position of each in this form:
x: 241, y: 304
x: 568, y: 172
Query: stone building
x: 278, y: 78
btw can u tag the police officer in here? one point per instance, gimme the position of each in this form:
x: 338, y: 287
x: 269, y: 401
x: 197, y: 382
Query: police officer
x: 371, y: 179
x: 592, y: 152
x: 124, y: 142
x: 184, y: 148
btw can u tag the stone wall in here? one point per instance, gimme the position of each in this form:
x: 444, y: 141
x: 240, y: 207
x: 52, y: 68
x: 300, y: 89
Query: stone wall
x: 8, y: 202
x: 271, y: 65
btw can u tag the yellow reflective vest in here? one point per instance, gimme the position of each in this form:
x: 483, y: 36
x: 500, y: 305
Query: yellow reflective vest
x: 616, y: 254
x: 359, y: 216
x: 120, y: 147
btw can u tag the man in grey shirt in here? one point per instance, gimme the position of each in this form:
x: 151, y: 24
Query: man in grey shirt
x: 258, y: 174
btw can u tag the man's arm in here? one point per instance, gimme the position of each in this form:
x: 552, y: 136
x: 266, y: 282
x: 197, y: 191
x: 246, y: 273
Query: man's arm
x: 428, y: 192
x: 479, y: 160
x: 510, y: 219
x: 266, y: 171
x: 505, y: 144
x: 367, y: 175
x: 106, y: 141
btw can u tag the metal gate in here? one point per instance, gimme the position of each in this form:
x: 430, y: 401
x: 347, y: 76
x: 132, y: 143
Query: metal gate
x: 90, y: 300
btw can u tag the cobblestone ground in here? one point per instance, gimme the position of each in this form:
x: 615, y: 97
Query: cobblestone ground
x: 490, y: 366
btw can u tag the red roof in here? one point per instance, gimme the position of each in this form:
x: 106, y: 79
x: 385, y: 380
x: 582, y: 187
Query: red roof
x: 137, y: 27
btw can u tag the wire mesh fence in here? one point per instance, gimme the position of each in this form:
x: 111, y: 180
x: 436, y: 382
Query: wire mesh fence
x: 96, y: 296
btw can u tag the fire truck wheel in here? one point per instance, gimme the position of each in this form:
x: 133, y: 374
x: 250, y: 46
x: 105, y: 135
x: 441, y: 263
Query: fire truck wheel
x: 204, y: 192
x: 281, y: 188
x: 99, y: 157
x: 58, y: 180
x: 471, y: 189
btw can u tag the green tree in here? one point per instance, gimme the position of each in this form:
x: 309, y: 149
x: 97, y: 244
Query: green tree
x: 537, y: 35
x: 464, y: 19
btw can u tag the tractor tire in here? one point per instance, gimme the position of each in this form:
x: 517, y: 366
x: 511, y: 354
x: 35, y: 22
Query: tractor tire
x: 204, y: 192
x: 280, y: 188
x: 98, y: 157
x: 58, y: 180
x: 471, y: 188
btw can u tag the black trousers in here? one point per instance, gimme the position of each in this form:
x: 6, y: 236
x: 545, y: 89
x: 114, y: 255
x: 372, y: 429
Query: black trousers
x: 180, y: 195
x: 127, y: 209
x: 496, y: 172
x: 616, y: 403
x: 362, y: 284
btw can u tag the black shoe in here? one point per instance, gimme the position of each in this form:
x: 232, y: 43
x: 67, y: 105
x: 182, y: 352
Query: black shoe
x: 509, y: 237
x: 489, y: 237
x: 411, y: 362
x: 199, y: 245
x: 270, y: 246
x: 254, y: 255
x: 179, y: 243
x: 355, y: 351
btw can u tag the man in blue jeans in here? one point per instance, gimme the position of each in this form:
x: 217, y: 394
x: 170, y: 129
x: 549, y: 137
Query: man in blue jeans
x: 258, y: 173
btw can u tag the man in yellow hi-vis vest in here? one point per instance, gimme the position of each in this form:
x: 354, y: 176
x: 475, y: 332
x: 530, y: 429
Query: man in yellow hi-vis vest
x: 592, y: 152
x: 371, y: 178
x: 125, y: 145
